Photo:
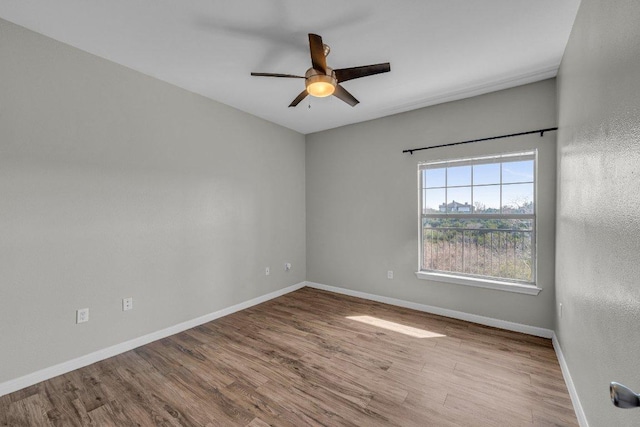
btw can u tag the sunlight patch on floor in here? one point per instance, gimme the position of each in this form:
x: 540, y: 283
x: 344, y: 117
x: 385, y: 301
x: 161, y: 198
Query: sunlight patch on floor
x: 395, y: 327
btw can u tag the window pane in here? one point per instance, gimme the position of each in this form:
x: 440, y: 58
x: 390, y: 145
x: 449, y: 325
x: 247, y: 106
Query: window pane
x: 459, y: 175
x: 497, y: 248
x: 517, y: 198
x: 459, y: 200
x: 433, y: 201
x: 517, y: 172
x: 486, y: 199
x: 433, y: 178
x: 486, y: 174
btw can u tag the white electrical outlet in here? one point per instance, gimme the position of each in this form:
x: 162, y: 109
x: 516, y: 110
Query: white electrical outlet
x: 82, y: 315
x: 127, y: 304
x: 390, y: 274
x: 287, y: 266
x: 266, y: 271
x: 560, y: 310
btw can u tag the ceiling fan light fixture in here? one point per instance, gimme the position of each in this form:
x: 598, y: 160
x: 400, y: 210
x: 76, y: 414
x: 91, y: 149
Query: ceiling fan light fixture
x: 322, y: 81
x: 321, y: 85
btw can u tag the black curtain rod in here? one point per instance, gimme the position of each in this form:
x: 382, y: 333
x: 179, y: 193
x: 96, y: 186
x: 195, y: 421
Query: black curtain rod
x: 540, y: 131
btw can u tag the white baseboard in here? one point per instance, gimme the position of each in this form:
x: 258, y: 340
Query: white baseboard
x: 70, y: 365
x: 573, y: 393
x: 474, y: 318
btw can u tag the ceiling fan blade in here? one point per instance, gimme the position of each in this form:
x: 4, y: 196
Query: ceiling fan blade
x: 318, y: 60
x: 344, y: 95
x: 345, y: 74
x: 291, y: 76
x: 299, y: 98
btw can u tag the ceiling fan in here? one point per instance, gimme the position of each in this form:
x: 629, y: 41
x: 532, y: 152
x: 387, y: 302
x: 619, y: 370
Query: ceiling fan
x: 321, y: 81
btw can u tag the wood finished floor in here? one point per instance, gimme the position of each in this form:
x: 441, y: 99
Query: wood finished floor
x: 299, y: 360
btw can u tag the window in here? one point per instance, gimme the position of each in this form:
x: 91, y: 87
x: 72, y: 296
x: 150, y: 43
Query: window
x: 477, y: 221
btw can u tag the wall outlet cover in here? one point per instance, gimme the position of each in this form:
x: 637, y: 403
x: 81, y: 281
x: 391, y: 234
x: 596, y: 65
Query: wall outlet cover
x: 82, y: 315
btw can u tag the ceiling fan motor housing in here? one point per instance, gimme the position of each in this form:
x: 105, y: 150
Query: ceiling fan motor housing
x: 320, y: 84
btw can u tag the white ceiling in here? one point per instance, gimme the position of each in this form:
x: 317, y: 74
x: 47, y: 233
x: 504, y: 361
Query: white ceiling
x: 440, y: 50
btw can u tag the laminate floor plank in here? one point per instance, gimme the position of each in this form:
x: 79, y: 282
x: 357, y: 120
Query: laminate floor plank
x: 484, y: 414
x: 28, y: 411
x: 296, y: 399
x: 312, y: 358
x: 404, y: 415
x: 366, y: 378
x: 257, y: 422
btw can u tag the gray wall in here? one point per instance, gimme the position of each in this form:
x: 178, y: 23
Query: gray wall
x: 114, y: 184
x: 362, y: 199
x: 598, y: 222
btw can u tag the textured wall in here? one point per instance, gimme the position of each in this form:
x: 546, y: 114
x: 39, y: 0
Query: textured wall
x: 114, y: 184
x: 362, y: 199
x: 598, y: 222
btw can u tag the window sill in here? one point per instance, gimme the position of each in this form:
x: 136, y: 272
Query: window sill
x: 480, y: 283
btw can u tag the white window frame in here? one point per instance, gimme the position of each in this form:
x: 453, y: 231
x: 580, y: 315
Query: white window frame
x: 529, y: 288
